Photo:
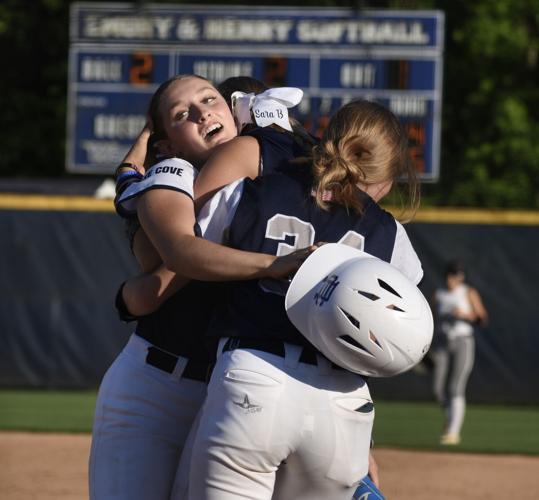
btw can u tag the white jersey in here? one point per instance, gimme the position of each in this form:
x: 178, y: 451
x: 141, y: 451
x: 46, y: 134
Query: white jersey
x: 449, y: 300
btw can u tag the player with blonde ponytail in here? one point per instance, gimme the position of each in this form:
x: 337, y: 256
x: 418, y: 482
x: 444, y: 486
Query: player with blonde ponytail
x: 276, y: 403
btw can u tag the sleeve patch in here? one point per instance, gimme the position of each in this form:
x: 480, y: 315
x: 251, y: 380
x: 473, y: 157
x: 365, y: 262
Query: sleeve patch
x: 173, y: 173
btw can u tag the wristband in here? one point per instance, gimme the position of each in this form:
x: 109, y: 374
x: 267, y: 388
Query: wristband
x: 125, y: 164
x: 126, y: 178
x: 121, y: 307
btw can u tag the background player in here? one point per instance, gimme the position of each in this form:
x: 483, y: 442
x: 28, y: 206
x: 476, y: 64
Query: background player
x: 458, y: 308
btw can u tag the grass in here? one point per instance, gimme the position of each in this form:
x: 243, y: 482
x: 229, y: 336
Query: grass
x: 47, y: 411
x: 487, y: 429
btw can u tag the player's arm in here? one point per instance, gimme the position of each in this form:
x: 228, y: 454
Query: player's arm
x: 373, y: 470
x: 144, y: 294
x: 129, y: 171
x: 370, y: 484
x: 168, y: 218
x: 233, y: 160
x: 479, y: 311
x: 137, y: 153
x: 147, y: 256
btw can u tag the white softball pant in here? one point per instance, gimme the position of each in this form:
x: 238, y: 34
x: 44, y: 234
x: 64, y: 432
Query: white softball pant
x: 265, y: 413
x: 142, y: 418
x: 453, y: 365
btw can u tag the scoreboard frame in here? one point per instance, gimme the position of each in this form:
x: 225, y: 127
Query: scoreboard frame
x: 120, y: 53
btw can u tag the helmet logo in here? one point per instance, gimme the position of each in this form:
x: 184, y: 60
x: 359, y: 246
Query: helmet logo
x: 327, y: 287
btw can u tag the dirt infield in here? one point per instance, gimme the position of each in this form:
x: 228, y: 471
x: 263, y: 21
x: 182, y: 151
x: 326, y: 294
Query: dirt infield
x: 53, y: 467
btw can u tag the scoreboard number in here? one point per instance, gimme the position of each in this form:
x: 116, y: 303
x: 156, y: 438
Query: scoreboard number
x: 141, y: 69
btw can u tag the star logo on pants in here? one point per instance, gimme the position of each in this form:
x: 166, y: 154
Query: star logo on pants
x: 247, y: 406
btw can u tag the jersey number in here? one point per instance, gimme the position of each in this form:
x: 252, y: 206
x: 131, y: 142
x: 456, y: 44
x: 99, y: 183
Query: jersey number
x: 279, y: 227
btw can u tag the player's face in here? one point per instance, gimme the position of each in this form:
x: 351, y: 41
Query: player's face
x: 196, y: 119
x: 454, y: 280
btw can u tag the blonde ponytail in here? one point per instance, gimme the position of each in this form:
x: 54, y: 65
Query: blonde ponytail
x: 364, y: 143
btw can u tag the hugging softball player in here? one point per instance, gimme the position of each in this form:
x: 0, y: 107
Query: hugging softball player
x: 151, y: 394
x: 275, y: 403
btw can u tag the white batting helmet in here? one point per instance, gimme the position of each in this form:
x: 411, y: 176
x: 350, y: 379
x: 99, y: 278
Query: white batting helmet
x: 359, y: 311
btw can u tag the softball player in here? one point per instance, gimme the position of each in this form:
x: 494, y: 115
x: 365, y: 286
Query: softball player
x: 151, y: 393
x: 458, y: 306
x: 274, y: 403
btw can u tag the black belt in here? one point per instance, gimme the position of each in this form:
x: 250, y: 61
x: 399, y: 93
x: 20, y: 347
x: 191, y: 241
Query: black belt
x: 194, y: 370
x: 308, y: 355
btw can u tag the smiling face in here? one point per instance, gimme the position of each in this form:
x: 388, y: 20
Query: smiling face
x: 195, y: 118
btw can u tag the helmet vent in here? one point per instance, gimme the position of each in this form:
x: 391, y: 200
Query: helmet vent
x: 369, y: 295
x: 352, y: 320
x: 395, y: 308
x: 374, y: 339
x: 349, y: 340
x: 366, y: 408
x: 385, y: 286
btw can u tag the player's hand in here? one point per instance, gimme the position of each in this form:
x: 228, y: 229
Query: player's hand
x: 373, y: 470
x: 369, y: 485
x: 286, y: 265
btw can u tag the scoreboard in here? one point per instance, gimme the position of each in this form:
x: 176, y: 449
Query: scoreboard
x: 120, y: 53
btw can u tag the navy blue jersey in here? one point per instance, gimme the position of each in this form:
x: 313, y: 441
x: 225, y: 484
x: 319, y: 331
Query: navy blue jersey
x: 277, y: 214
x: 278, y: 147
x: 179, y: 325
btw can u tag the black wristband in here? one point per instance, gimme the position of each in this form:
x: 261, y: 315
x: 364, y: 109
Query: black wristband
x: 123, y: 312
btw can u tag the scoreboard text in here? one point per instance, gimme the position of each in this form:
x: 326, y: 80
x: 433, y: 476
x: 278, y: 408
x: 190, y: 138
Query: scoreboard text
x: 120, y: 53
